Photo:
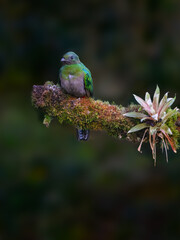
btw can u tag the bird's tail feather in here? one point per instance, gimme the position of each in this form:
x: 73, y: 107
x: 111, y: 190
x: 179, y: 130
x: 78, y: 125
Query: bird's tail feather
x: 82, y: 135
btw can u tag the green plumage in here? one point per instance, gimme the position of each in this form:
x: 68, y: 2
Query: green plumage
x: 76, y: 80
x: 75, y: 77
x: 88, y: 82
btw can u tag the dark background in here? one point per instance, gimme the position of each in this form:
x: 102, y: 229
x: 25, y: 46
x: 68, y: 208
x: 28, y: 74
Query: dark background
x: 53, y: 187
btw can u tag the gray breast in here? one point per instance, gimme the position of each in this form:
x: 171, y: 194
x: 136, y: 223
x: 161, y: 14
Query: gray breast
x: 74, y: 85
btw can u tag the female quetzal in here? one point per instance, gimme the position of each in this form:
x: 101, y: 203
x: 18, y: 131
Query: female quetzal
x: 76, y: 80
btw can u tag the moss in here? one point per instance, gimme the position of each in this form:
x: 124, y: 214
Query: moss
x: 61, y: 117
x: 47, y: 120
x: 88, y: 113
x: 172, y: 125
x: 117, y: 128
x: 49, y: 83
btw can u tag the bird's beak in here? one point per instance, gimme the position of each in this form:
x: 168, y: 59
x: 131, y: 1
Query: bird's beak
x: 63, y: 59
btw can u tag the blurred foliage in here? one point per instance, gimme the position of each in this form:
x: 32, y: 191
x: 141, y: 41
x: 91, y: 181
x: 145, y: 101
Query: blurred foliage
x: 53, y: 187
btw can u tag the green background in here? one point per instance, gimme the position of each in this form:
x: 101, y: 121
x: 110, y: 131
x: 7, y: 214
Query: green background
x: 53, y: 187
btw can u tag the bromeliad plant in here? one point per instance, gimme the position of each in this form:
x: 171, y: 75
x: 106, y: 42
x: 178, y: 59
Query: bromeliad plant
x: 154, y: 121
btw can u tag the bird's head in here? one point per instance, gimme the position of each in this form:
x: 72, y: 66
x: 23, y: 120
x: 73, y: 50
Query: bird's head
x: 70, y: 58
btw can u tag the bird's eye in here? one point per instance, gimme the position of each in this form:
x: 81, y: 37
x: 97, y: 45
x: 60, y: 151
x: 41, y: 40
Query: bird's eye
x: 72, y: 57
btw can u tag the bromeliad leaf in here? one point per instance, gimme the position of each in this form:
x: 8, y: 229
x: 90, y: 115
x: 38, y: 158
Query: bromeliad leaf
x: 135, y: 115
x: 143, y: 104
x: 156, y: 99
x: 162, y: 103
x: 148, y: 99
x: 147, y: 118
x: 166, y: 129
x: 155, y: 120
x: 155, y: 116
x: 171, y: 142
x: 169, y: 99
x: 152, y: 130
x: 169, y: 114
x: 138, y: 127
x: 166, y: 106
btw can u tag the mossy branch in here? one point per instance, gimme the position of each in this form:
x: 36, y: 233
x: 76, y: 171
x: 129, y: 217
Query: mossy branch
x: 87, y: 113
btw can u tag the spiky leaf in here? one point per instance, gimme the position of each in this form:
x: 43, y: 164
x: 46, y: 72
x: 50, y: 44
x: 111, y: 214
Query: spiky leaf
x: 169, y: 114
x: 148, y: 99
x: 166, y: 129
x: 156, y: 99
x: 171, y: 142
x: 138, y: 127
x: 153, y: 130
x: 166, y: 106
x: 162, y: 102
x: 155, y: 116
x: 135, y: 115
x: 143, y: 104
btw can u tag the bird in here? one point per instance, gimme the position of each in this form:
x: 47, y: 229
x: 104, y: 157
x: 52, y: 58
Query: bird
x: 76, y: 80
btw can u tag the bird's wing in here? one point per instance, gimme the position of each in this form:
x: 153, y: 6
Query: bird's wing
x: 88, y: 82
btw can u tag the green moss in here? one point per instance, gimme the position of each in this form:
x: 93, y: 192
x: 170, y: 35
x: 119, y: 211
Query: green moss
x: 47, y: 120
x: 49, y: 83
x: 91, y: 114
x: 116, y: 128
x: 175, y: 133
